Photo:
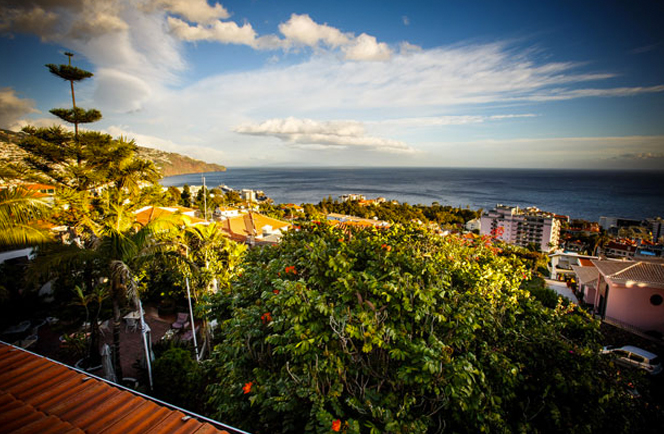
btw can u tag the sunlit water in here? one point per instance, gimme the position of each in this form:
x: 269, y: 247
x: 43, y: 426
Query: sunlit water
x: 586, y: 194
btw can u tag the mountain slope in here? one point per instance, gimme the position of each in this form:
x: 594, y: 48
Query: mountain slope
x: 169, y: 163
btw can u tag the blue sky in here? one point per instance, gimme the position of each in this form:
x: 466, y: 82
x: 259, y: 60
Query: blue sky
x: 352, y: 83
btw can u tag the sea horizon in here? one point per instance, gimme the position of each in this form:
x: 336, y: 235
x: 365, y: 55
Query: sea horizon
x: 580, y: 193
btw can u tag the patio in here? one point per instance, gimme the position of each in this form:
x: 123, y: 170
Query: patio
x: 49, y: 344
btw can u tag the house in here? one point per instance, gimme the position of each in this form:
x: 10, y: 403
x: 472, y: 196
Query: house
x: 151, y: 213
x: 254, y: 229
x: 43, y: 190
x: 648, y: 250
x: 348, y: 220
x: 620, y: 248
x: 39, y: 395
x: 586, y: 279
x: 226, y: 212
x: 351, y: 197
x: 626, y: 293
x: 561, y: 263
x: 248, y: 195
x: 612, y: 224
x: 656, y: 227
x: 292, y: 207
x: 473, y: 225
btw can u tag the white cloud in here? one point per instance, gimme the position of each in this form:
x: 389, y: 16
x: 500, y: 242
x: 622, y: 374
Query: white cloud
x: 40, y: 123
x: 414, y: 84
x: 98, y: 20
x: 431, y: 121
x: 565, y: 94
x: 323, y: 135
x: 13, y: 108
x: 641, y: 156
x: 611, y: 152
x: 198, y: 11
x: 119, y: 91
x: 365, y: 47
x: 204, y: 153
x: 226, y: 32
x: 35, y: 20
x: 302, y: 30
x: 111, y: 34
x: 298, y: 31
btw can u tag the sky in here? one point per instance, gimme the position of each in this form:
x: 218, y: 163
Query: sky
x: 278, y: 83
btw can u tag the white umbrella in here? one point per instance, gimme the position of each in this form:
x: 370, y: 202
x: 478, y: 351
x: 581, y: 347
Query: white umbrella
x: 109, y: 372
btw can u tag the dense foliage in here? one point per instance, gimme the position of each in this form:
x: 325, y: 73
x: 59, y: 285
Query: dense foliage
x: 443, y: 215
x: 403, y: 331
x: 176, y: 378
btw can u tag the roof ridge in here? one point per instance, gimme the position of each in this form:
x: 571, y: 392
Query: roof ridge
x: 624, y: 269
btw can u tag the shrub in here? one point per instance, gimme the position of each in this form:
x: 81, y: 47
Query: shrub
x: 401, y: 331
x: 177, y: 378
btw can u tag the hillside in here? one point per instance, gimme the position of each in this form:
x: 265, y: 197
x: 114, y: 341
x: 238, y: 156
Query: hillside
x: 169, y: 163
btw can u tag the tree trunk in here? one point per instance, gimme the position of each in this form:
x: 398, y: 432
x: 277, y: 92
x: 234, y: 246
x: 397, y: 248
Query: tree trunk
x: 117, y: 323
x: 94, y: 356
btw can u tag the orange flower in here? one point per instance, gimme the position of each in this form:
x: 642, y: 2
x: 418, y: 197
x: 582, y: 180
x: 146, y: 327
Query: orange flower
x: 336, y: 425
x: 275, y: 291
x: 247, y: 387
x: 291, y: 269
x: 386, y: 247
x: 266, y: 317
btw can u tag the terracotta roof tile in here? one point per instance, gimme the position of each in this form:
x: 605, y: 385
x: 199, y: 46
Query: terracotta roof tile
x: 586, y: 275
x: 609, y: 267
x: 640, y: 272
x: 38, y: 395
x: 250, y: 224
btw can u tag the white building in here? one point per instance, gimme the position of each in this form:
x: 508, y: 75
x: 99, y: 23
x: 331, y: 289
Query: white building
x: 351, y: 197
x: 248, y: 195
x: 474, y: 224
x: 521, y: 227
x: 656, y: 227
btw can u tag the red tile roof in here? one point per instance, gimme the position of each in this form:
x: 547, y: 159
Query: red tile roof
x: 38, y: 395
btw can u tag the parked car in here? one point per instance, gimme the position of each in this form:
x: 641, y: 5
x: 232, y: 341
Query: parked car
x: 634, y: 356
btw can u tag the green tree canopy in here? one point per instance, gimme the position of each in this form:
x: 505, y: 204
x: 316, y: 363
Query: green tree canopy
x: 19, y: 211
x: 75, y: 115
x: 403, y: 331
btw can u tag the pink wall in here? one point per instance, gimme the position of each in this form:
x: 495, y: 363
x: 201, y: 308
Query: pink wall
x: 589, y: 294
x: 632, y: 306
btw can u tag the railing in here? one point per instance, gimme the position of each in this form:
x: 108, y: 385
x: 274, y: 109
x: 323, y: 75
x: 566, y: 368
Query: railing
x: 630, y: 328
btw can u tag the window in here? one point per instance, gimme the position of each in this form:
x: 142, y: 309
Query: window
x: 636, y: 358
x: 656, y: 299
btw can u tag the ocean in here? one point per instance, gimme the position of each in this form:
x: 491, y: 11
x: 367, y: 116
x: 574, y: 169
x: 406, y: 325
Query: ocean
x: 585, y: 194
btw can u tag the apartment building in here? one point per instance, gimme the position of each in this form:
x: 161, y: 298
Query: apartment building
x: 522, y: 227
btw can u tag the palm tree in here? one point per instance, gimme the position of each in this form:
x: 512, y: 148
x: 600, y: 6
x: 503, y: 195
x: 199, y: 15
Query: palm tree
x: 212, y: 251
x: 600, y: 242
x: 19, y: 211
x: 122, y: 245
x: 92, y: 303
x: 212, y: 261
x: 110, y: 250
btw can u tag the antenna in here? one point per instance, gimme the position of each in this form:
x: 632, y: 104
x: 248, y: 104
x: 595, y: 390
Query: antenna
x: 204, y: 199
